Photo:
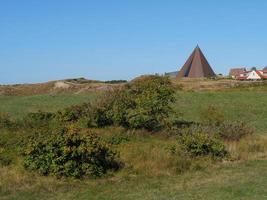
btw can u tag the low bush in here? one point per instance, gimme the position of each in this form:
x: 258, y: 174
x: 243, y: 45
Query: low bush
x: 190, y: 129
x: 228, y: 131
x: 102, y: 112
x: 5, y: 157
x: 37, y: 119
x: 115, y: 81
x: 6, y: 148
x: 117, y: 138
x: 202, y: 144
x: 74, y: 113
x: 86, y: 115
x: 213, y: 121
x: 5, y: 120
x: 234, y: 131
x: 71, y: 153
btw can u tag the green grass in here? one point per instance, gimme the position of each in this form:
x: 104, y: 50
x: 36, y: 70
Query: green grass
x: 234, y: 181
x: 248, y: 181
x: 18, y: 106
x: 149, y: 173
x: 247, y: 106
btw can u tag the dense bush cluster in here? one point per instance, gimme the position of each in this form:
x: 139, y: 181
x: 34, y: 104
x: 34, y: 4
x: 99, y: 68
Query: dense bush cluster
x: 202, y: 144
x: 37, y: 120
x: 62, y: 151
x: 76, y: 114
x: 69, y: 152
x: 142, y: 103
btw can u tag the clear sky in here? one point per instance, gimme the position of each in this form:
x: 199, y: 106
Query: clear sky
x: 43, y: 40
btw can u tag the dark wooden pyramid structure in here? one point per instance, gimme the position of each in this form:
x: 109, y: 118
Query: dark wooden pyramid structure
x: 196, y: 66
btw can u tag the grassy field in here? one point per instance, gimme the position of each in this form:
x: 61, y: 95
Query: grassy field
x: 244, y: 181
x: 18, y: 106
x: 248, y: 106
x: 150, y: 172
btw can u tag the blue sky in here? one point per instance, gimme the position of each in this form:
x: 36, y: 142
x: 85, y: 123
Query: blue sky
x: 121, y: 39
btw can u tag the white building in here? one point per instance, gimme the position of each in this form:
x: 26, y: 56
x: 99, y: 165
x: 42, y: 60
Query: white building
x: 253, y: 75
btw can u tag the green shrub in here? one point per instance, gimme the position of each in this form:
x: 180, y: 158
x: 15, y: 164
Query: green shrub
x: 117, y: 138
x: 71, y: 153
x: 87, y: 115
x: 5, y: 160
x: 153, y: 97
x: 101, y: 112
x: 5, y: 157
x: 142, y: 103
x: 7, y: 147
x: 201, y: 144
x: 5, y: 120
x: 192, y: 128
x: 234, y: 131
x: 74, y: 113
x: 115, y: 81
x: 229, y: 131
x: 37, y: 119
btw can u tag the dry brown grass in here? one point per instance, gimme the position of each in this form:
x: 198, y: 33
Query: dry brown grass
x: 55, y: 87
x: 148, y: 159
x: 249, y: 148
x: 202, y: 84
x: 14, y: 180
x: 153, y: 157
x: 75, y: 87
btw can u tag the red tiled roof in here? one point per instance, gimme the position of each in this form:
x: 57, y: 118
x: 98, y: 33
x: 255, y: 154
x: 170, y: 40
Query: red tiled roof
x: 261, y: 75
x: 236, y: 71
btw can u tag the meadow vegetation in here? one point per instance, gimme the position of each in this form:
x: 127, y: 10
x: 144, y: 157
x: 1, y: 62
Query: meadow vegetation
x: 147, y: 133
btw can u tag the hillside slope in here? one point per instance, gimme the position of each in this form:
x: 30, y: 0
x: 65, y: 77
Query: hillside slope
x: 74, y: 86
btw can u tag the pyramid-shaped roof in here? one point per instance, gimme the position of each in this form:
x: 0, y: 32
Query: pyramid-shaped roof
x: 196, y: 66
